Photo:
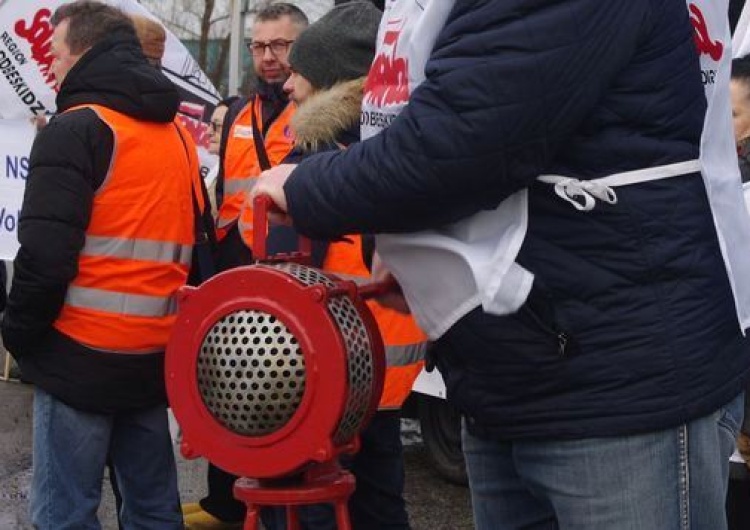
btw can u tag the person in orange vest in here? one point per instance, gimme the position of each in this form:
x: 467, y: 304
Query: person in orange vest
x: 329, y: 62
x: 255, y: 136
x: 107, y: 233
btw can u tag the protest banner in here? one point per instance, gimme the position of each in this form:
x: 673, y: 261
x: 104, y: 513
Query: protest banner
x: 27, y: 89
x: 15, y: 138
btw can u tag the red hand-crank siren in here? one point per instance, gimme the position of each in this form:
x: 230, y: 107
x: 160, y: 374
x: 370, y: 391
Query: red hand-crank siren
x: 273, y: 368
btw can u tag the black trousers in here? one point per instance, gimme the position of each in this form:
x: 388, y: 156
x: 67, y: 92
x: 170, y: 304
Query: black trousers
x: 220, y: 501
x: 738, y: 497
x: 377, y: 502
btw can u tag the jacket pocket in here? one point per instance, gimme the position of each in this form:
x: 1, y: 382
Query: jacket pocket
x: 539, y: 312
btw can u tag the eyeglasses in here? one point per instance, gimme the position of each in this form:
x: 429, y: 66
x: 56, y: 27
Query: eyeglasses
x: 277, y: 47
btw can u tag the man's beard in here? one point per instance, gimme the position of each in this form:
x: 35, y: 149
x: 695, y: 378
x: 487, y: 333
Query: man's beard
x: 272, y: 90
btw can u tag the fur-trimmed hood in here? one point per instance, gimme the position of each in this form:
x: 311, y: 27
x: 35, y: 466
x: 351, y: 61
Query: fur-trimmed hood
x: 327, y: 114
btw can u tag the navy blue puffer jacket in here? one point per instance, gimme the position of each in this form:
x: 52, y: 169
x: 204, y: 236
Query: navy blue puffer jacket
x: 637, y: 291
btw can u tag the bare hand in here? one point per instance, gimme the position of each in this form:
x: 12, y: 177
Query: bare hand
x: 392, y: 299
x: 271, y: 183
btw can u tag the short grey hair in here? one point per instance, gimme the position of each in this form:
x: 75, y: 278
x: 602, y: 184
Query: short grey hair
x: 282, y: 9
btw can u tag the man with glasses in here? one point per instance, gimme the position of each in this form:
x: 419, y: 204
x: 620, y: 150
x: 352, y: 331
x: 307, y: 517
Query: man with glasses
x: 277, y: 47
x: 258, y: 137
x: 255, y: 136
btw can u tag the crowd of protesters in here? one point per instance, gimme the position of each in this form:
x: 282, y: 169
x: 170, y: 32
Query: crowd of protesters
x: 550, y: 184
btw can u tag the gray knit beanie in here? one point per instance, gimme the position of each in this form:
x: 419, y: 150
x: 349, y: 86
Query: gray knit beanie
x: 338, y: 47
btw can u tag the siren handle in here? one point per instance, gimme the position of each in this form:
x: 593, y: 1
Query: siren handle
x: 262, y: 205
x: 374, y: 289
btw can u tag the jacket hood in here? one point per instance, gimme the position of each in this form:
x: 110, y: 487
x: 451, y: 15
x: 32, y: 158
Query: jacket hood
x: 328, y: 115
x: 115, y: 74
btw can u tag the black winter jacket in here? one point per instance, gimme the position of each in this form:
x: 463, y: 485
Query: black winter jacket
x: 584, y: 88
x: 69, y: 160
x: 3, y: 282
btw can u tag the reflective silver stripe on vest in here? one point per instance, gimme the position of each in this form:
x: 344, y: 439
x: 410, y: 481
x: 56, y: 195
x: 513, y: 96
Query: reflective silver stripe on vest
x: 138, y: 249
x: 224, y: 223
x: 138, y: 305
x: 239, y: 185
x: 402, y: 355
x: 406, y: 354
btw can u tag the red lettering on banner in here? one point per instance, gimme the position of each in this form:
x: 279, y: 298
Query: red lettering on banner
x: 191, y: 116
x: 388, y: 80
x: 703, y: 41
x: 197, y: 129
x: 39, y: 35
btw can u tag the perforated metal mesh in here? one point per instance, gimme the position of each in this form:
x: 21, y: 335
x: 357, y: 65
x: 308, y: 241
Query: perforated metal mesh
x: 359, y: 351
x: 251, y: 373
x: 360, y: 367
x: 251, y: 370
x: 305, y: 275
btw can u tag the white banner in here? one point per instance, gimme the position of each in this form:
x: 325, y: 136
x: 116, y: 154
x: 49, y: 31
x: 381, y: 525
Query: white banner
x: 741, y: 37
x: 15, y: 139
x: 27, y: 89
x: 196, y: 90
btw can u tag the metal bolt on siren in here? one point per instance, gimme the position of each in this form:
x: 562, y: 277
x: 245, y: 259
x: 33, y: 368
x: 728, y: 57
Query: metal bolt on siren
x: 272, y: 371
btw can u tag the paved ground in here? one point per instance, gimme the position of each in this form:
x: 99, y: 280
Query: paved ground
x: 433, y: 504
x: 15, y: 453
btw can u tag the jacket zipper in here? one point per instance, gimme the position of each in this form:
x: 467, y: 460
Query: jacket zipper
x: 562, y: 337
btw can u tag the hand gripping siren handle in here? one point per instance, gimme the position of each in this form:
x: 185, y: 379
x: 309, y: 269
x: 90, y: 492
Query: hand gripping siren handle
x: 375, y: 289
x: 262, y: 205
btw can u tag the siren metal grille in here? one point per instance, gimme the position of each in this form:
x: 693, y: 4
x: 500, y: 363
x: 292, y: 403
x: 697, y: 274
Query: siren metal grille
x: 251, y: 373
x: 359, y: 351
x: 360, y: 369
x: 305, y: 275
x: 251, y: 370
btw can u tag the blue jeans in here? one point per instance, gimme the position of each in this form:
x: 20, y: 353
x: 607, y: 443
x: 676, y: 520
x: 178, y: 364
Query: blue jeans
x: 675, y: 479
x: 71, y: 448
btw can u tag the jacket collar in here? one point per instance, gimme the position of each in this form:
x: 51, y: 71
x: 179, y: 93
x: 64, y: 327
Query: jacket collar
x: 329, y: 117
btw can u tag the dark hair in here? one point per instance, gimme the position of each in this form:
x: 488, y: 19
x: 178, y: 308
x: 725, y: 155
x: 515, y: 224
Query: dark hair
x: 741, y: 69
x: 90, y: 22
x: 282, y: 9
x: 227, y: 102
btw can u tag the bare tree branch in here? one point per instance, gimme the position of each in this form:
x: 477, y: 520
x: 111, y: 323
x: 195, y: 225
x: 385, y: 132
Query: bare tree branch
x: 208, y: 11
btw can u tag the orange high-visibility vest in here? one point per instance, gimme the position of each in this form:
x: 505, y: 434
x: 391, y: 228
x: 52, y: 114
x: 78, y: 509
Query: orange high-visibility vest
x: 405, y: 343
x: 241, y: 165
x: 139, y: 241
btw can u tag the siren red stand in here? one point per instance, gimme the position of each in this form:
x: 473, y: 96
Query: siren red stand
x: 324, y: 483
